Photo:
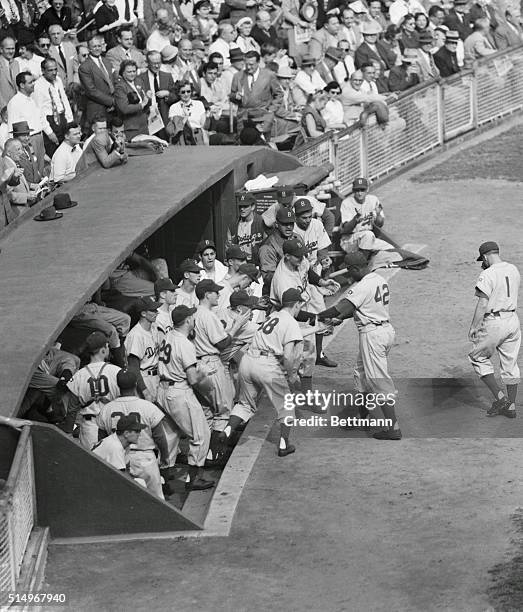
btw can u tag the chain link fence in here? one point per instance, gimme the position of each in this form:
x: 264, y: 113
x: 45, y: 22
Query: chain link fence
x: 423, y: 119
x: 17, y: 513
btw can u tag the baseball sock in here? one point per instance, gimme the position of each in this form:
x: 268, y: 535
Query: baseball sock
x: 284, y: 436
x: 390, y: 414
x: 490, y: 381
x: 319, y: 346
x: 512, y: 391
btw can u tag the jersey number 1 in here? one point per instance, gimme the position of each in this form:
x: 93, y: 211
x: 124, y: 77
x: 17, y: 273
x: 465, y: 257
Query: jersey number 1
x: 382, y: 295
x: 508, y: 286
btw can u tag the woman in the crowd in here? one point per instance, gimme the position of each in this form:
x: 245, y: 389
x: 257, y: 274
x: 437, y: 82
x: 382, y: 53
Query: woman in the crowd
x: 245, y: 41
x: 391, y: 41
x: 107, y: 22
x: 333, y: 111
x: 188, y: 117
x: 422, y: 22
x: 203, y: 25
x: 312, y: 122
x: 409, y: 35
x: 131, y: 101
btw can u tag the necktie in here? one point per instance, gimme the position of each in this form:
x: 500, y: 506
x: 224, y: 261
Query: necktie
x: 62, y: 56
x: 156, y: 83
x: 127, y: 15
x: 11, y: 73
x: 54, y: 108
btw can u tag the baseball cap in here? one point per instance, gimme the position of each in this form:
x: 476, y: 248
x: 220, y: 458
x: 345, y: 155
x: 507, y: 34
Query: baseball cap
x: 284, y: 193
x: 245, y: 199
x: 129, y: 423
x: 126, y: 379
x: 356, y: 259
x: 294, y: 247
x: 189, y: 265
x: 285, y: 215
x: 242, y: 298
x: 205, y: 244
x: 95, y: 341
x: 205, y: 286
x: 163, y: 284
x: 249, y: 270
x: 180, y: 313
x: 302, y: 205
x: 147, y: 303
x: 235, y: 252
x: 487, y: 247
x: 291, y: 296
x: 360, y: 183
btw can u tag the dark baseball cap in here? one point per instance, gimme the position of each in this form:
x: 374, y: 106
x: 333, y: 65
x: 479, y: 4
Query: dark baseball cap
x: 129, y: 423
x: 285, y: 215
x: 295, y: 247
x: 249, y: 270
x: 487, y: 247
x: 291, y: 296
x: 189, y: 265
x: 180, y: 313
x: 147, y: 303
x: 164, y: 284
x: 360, y: 183
x: 205, y: 244
x: 126, y: 379
x: 206, y: 286
x: 242, y: 298
x: 245, y: 199
x: 285, y: 193
x: 356, y: 259
x: 302, y: 205
x: 95, y: 341
x: 235, y: 252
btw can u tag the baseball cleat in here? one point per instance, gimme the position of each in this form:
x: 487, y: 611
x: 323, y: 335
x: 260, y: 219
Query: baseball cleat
x: 283, y: 452
x: 326, y: 362
x: 497, y: 407
x: 199, y: 484
x: 388, y: 434
x: 504, y: 411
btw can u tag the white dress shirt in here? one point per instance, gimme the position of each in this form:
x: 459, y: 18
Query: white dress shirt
x: 309, y: 84
x: 369, y: 87
x: 63, y: 162
x: 25, y: 108
x: 220, y: 46
x: 46, y: 93
x: 343, y: 70
x: 33, y: 65
x: 195, y: 113
x: 399, y: 8
x: 333, y: 113
x: 157, y: 41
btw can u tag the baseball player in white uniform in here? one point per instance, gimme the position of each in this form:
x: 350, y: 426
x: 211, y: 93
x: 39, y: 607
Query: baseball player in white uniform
x: 178, y: 374
x: 271, y: 365
x: 165, y: 291
x: 93, y: 386
x: 246, y: 274
x: 142, y: 458
x: 495, y: 328
x: 209, y: 340
x: 191, y: 274
x: 141, y: 346
x: 367, y: 300
x: 360, y: 212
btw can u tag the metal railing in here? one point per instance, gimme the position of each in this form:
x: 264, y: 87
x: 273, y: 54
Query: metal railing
x: 17, y: 513
x: 425, y: 117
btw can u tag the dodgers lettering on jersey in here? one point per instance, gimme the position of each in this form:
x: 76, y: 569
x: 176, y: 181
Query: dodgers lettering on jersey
x: 370, y: 296
x: 142, y: 343
x: 284, y: 278
x: 500, y: 283
x: 315, y: 238
x: 178, y: 355
x: 163, y: 324
x: 95, y: 385
x: 279, y: 329
x: 208, y: 332
x: 186, y: 299
x: 368, y: 211
x: 145, y: 412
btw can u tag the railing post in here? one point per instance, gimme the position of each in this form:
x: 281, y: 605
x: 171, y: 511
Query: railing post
x: 474, y: 91
x: 440, y: 97
x: 364, y: 161
x: 333, y: 153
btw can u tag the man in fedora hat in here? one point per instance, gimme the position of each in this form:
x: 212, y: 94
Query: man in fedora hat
x: 288, y: 115
x: 477, y: 44
x: 457, y: 19
x: 24, y: 193
x: 446, y: 58
x: 29, y: 160
x: 307, y: 81
x: 426, y: 65
x: 325, y: 67
x: 372, y: 49
x: 404, y: 76
x: 169, y: 55
x: 324, y: 38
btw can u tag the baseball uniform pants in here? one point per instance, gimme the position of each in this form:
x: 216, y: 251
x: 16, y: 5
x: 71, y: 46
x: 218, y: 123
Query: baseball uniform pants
x: 257, y: 374
x: 186, y: 411
x: 502, y: 335
x: 309, y: 353
x: 371, y: 374
x: 88, y: 431
x: 143, y: 464
x: 110, y: 321
x: 222, y: 393
x: 151, y: 382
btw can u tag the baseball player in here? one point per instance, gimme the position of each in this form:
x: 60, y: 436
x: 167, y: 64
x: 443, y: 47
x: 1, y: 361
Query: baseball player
x: 271, y: 250
x: 211, y: 267
x: 191, y: 272
x: 178, y: 375
x: 360, y: 213
x: 271, y: 365
x: 317, y: 241
x: 112, y: 449
x: 294, y: 271
x: 142, y: 349
x: 209, y: 340
x: 93, y: 386
x: 246, y: 274
x: 367, y: 300
x: 165, y: 292
x: 142, y: 458
x: 248, y: 231
x: 495, y: 328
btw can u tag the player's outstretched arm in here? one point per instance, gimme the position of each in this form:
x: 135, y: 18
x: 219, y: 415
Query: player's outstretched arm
x: 342, y: 310
x: 477, y: 319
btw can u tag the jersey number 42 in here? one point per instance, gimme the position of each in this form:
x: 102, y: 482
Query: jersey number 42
x: 382, y: 295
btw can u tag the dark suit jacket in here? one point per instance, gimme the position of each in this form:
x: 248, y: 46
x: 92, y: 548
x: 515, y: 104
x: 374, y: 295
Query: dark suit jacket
x: 453, y: 22
x: 165, y: 82
x: 98, y: 89
x: 365, y: 54
x: 505, y: 37
x: 446, y: 61
x: 266, y: 92
x: 322, y: 11
x: 261, y: 36
x: 50, y: 17
x: 100, y: 150
x: 133, y: 115
x: 7, y: 82
x: 398, y: 80
x: 65, y: 71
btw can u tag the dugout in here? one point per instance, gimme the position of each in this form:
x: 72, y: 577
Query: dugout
x: 48, y: 270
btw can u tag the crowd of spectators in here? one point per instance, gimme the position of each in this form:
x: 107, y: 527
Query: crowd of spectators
x: 237, y: 72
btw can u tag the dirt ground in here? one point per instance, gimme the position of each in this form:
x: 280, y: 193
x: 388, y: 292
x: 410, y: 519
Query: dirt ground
x: 349, y: 524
